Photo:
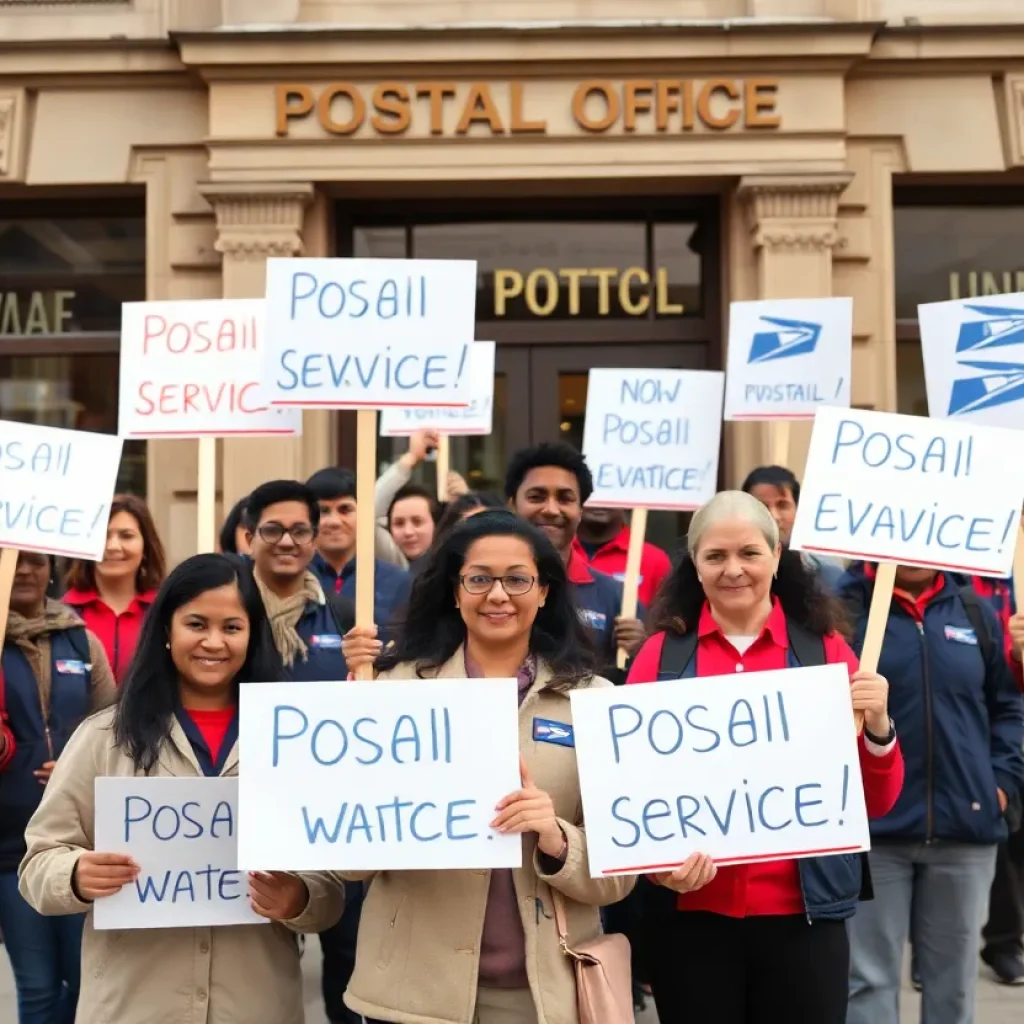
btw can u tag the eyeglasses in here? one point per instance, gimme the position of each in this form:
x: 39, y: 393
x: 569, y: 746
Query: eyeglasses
x: 515, y: 585
x: 272, y: 533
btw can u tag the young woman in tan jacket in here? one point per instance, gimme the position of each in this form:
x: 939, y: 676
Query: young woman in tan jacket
x: 482, y: 947
x: 177, y: 716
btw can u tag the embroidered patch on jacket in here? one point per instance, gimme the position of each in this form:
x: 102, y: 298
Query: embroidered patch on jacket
x: 962, y: 635
x: 595, y: 620
x: 546, y: 731
x: 326, y: 642
x: 72, y: 668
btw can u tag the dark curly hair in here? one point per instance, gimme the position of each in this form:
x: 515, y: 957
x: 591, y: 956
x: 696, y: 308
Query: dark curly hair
x: 559, y: 454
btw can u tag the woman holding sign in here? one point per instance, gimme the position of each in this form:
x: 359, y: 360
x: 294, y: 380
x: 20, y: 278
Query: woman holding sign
x: 494, y: 602
x: 205, y: 634
x: 766, y: 941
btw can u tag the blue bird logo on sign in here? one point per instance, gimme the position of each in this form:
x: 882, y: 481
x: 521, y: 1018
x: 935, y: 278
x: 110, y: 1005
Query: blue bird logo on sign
x: 793, y: 338
x: 1003, y: 326
x: 1000, y: 383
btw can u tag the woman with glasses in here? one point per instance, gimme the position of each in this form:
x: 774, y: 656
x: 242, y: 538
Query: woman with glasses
x: 493, y: 603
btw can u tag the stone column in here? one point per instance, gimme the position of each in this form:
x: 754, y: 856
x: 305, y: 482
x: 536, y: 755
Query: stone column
x: 793, y: 222
x: 257, y: 221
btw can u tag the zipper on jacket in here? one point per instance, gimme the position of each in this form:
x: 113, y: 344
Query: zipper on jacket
x: 929, y: 739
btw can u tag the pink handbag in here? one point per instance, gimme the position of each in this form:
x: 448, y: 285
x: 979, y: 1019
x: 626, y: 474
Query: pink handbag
x: 604, y: 973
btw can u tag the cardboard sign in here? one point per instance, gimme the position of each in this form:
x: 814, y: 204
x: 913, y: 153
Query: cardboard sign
x: 183, y: 835
x: 651, y: 437
x: 55, y: 489
x: 974, y: 359
x: 939, y: 493
x: 788, y: 357
x: 195, y: 369
x: 475, y: 418
x: 744, y: 768
x: 377, y: 775
x: 368, y: 334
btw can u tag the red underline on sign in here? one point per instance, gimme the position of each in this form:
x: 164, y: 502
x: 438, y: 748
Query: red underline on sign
x: 899, y: 561
x: 47, y: 551
x: 213, y: 433
x: 440, y: 430
x: 309, y: 403
x: 772, y: 416
x: 732, y: 861
x: 632, y: 504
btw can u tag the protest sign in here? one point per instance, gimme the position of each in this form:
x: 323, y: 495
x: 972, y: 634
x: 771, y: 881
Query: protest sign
x: 906, y: 489
x: 368, y: 334
x: 651, y: 437
x: 974, y: 359
x: 377, y: 776
x: 744, y: 768
x: 475, y: 418
x: 788, y: 357
x: 55, y: 489
x: 183, y: 835
x: 195, y: 369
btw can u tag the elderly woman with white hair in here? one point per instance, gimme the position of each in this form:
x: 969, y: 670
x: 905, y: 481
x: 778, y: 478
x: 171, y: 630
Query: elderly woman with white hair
x: 758, y: 942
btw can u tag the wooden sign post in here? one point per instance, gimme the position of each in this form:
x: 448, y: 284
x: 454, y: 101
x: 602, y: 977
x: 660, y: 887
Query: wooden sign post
x: 206, y: 497
x: 780, y: 434
x: 1018, y: 572
x: 443, y: 464
x: 8, y: 565
x: 631, y: 583
x: 366, y: 482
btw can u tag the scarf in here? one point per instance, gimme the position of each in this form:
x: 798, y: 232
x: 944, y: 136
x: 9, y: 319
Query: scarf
x: 32, y: 638
x: 284, y: 614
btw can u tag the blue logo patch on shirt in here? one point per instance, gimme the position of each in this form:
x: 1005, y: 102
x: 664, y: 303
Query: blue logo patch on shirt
x: 546, y: 731
x: 595, y: 620
x: 962, y: 635
x: 72, y: 668
x: 326, y: 642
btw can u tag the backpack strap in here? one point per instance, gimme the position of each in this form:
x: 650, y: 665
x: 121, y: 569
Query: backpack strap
x: 807, y: 648
x: 972, y: 605
x: 676, y: 654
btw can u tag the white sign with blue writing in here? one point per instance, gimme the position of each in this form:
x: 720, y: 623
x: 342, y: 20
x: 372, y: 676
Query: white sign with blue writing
x: 939, y: 493
x: 788, y: 358
x: 55, y: 489
x: 475, y: 418
x: 744, y: 768
x: 651, y: 437
x: 384, y: 775
x: 183, y: 834
x: 974, y: 359
x: 368, y: 334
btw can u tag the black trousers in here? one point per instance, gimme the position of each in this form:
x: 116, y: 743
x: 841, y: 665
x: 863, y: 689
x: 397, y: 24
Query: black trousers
x: 339, y: 957
x: 1005, y: 929
x: 711, y: 969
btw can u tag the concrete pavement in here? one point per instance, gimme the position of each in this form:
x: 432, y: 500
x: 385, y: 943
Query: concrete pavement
x: 997, y: 1004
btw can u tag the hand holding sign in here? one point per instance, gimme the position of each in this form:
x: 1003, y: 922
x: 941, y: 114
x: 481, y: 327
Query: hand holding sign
x: 530, y: 810
x: 276, y: 895
x: 102, y: 874
x: 870, y: 695
x: 694, y: 873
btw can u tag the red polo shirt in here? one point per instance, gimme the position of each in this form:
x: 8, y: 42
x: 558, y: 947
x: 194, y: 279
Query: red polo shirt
x: 610, y: 559
x: 748, y: 890
x: 118, y: 633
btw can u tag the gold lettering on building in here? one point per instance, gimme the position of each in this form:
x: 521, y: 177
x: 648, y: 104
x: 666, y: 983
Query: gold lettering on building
x: 974, y: 283
x: 544, y: 289
x: 597, y: 106
x: 35, y: 312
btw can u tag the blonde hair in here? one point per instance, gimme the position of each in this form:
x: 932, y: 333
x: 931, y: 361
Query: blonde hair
x: 732, y: 505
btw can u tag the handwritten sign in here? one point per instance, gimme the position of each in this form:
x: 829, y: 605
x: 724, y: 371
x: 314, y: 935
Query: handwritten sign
x: 907, y: 489
x: 183, y: 835
x: 974, y: 359
x: 651, y: 437
x: 476, y: 418
x: 354, y: 333
x: 788, y: 357
x: 744, y: 768
x: 377, y: 775
x: 195, y: 369
x: 55, y: 489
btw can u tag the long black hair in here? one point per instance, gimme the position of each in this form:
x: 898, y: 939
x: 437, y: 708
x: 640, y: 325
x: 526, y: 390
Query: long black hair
x: 433, y: 628
x: 150, y: 694
x: 455, y: 511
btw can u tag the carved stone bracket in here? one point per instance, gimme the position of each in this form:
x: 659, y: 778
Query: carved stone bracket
x: 794, y: 213
x: 1014, y: 114
x: 12, y: 135
x: 259, y: 220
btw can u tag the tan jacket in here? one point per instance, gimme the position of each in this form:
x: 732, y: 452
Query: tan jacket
x: 242, y: 974
x: 419, y: 936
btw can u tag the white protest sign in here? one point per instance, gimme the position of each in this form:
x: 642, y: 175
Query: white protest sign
x: 744, y: 768
x: 788, y: 357
x: 195, y: 369
x: 55, y: 489
x: 974, y: 359
x: 651, y: 437
x: 355, y: 333
x: 377, y: 775
x: 475, y: 418
x: 183, y: 835
x: 890, y: 488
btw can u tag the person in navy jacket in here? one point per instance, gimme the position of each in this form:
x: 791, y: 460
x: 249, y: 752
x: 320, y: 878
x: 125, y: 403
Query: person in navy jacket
x: 961, y: 722
x: 53, y: 673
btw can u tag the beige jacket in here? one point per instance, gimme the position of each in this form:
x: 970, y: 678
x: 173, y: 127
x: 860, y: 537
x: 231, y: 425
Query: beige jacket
x: 419, y: 938
x: 243, y: 974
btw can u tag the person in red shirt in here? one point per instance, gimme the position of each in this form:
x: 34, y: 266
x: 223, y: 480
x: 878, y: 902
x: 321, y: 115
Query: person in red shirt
x: 603, y: 537
x: 760, y: 943
x: 112, y: 596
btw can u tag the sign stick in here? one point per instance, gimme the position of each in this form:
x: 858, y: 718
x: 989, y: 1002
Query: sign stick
x: 780, y: 443
x: 443, y: 463
x: 206, y: 496
x: 366, y: 481
x: 637, y: 531
x: 1018, y: 571
x: 878, y: 616
x: 8, y: 563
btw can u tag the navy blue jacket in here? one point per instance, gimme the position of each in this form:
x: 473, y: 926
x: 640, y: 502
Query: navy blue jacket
x: 390, y: 585
x: 321, y: 630
x: 960, y: 719
x: 70, y: 702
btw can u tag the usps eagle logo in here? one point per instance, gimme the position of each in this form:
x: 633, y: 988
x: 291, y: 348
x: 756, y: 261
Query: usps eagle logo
x: 790, y: 338
x: 999, y: 382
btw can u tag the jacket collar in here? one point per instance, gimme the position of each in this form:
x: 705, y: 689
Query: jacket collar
x: 577, y: 569
x: 80, y: 598
x: 455, y: 668
x: 186, y: 764
x: 774, y: 626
